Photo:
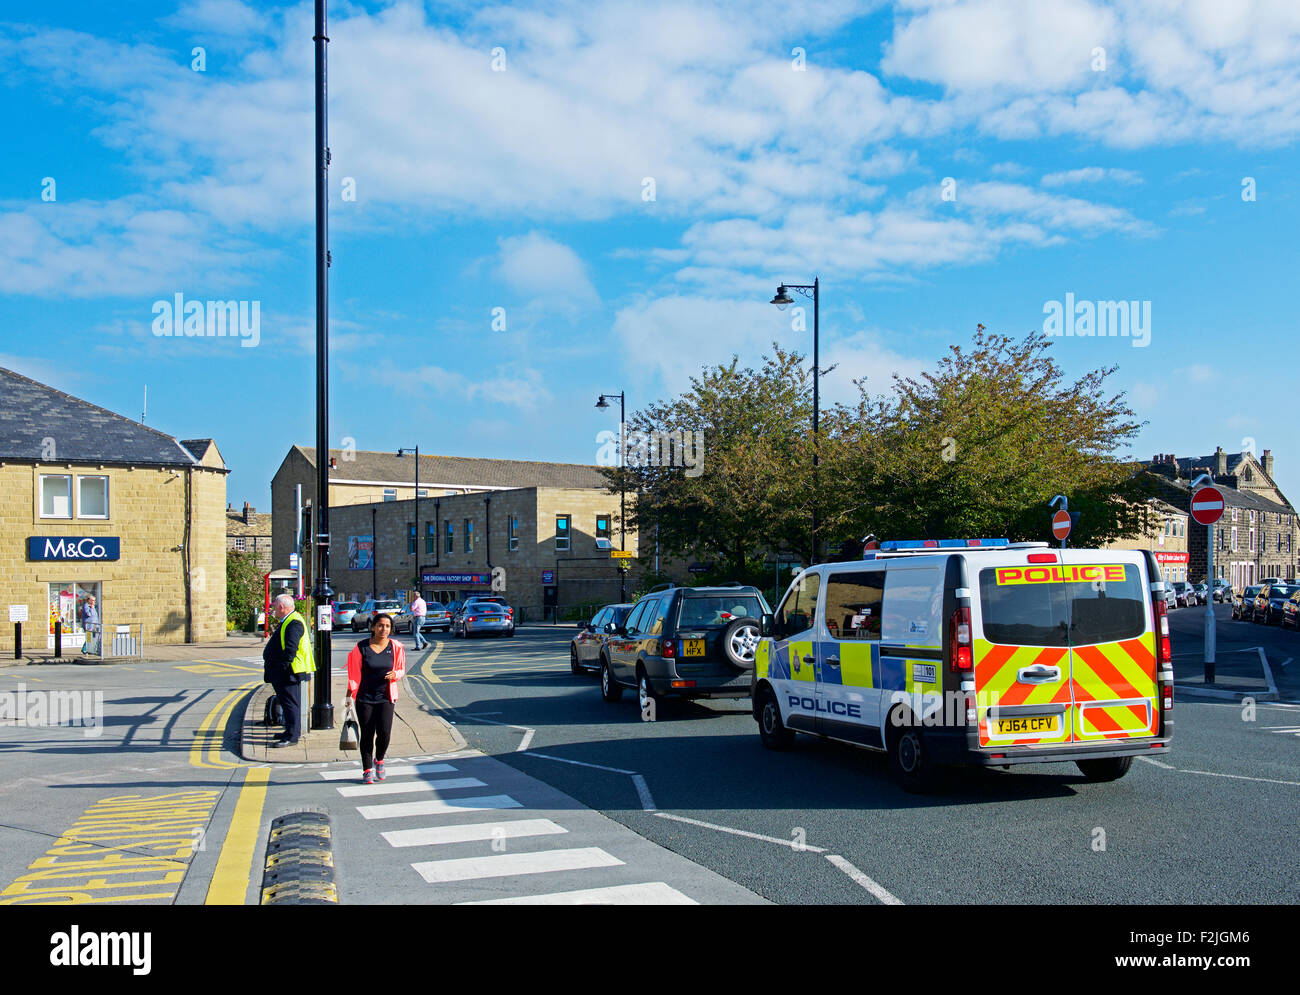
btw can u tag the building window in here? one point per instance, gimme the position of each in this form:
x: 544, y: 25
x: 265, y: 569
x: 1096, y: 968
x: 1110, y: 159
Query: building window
x: 561, y: 532
x: 469, y: 535
x: 241, y: 544
x: 92, y: 497
x: 1252, y: 540
x: 410, y: 537
x: 451, y: 537
x: 1234, y: 514
x: 424, y: 492
x: 602, y: 526
x: 430, y: 538
x: 390, y: 493
x: 1234, y: 538
x: 1252, y: 518
x: 512, y: 529
x: 56, y: 496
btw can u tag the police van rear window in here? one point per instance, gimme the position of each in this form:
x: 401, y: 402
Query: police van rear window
x: 1062, y: 606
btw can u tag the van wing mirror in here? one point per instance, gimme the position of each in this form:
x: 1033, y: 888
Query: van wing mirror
x: 767, y: 625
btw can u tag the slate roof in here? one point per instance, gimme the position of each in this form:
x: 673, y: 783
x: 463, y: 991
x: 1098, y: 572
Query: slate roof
x: 258, y: 524
x: 31, y: 413
x: 1233, y: 498
x: 460, y: 470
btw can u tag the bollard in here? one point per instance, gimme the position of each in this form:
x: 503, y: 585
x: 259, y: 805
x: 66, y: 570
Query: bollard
x: 18, y: 640
x: 58, y: 639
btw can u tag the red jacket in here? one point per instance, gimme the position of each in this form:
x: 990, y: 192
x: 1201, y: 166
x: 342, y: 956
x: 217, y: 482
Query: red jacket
x: 354, y: 668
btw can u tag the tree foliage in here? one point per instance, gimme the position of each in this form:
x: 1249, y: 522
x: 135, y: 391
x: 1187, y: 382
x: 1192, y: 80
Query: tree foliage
x: 245, y: 590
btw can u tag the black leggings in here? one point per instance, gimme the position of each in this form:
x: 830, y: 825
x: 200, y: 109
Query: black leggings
x: 376, y: 729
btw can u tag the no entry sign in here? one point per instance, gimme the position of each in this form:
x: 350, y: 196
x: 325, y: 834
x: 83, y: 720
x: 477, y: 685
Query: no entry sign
x: 1207, y: 505
x: 1061, y: 524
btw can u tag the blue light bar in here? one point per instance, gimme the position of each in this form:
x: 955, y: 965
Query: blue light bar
x: 894, y: 544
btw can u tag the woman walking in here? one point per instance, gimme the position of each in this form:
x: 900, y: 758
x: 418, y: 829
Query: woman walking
x: 375, y: 665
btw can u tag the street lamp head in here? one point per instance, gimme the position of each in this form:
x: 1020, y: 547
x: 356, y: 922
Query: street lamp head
x: 602, y: 403
x: 782, y: 299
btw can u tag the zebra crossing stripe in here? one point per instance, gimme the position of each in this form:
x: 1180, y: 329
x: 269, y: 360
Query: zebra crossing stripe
x: 394, y: 771
x: 406, y: 787
x: 652, y: 893
x: 437, y: 806
x: 434, y: 835
x: 512, y: 864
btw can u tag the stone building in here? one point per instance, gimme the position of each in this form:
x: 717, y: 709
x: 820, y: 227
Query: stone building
x: 1259, y: 530
x: 249, y: 532
x: 1166, y: 537
x: 540, y: 533
x: 93, y: 503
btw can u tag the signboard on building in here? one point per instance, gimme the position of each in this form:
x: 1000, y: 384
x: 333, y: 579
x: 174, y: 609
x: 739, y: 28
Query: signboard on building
x: 1171, y: 557
x: 74, y: 548
x: 361, y: 552
x: 548, y: 576
x: 17, y: 613
x: 449, y: 579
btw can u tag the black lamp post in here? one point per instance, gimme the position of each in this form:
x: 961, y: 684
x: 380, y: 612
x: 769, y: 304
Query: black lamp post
x: 601, y: 402
x: 782, y: 300
x: 403, y: 452
x: 322, y: 712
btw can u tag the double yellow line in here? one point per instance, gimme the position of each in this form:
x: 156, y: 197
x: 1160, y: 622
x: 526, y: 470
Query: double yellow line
x: 205, y: 751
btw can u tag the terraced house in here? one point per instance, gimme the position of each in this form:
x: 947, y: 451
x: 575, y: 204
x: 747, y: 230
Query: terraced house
x: 93, y: 504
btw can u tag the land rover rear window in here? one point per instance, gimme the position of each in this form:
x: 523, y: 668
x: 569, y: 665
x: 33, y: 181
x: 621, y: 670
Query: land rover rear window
x: 703, y: 612
x: 1066, y: 605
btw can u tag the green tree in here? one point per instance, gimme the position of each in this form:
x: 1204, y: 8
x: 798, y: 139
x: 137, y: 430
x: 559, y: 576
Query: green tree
x: 980, y: 446
x: 245, y: 590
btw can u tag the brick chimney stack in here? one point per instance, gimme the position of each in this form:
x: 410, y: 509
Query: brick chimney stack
x: 248, y: 511
x: 1268, y: 462
x: 1220, y: 461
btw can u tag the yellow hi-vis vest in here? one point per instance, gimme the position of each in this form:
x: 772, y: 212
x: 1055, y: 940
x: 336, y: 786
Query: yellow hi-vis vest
x: 302, y: 660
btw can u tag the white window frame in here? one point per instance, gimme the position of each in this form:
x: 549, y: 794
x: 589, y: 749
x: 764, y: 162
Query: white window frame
x: 41, y: 495
x: 108, y: 508
x: 390, y: 493
x: 1234, y: 538
x: 567, y: 538
x: 241, y: 544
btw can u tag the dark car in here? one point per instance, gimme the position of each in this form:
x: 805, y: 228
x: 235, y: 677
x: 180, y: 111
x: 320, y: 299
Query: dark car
x: 684, y: 642
x: 1291, y: 610
x: 1244, y: 603
x: 585, y: 647
x: 1222, y: 591
x: 1269, y: 603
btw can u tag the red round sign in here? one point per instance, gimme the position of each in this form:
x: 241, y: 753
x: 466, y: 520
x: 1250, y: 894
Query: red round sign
x: 1061, y: 524
x: 1207, y: 505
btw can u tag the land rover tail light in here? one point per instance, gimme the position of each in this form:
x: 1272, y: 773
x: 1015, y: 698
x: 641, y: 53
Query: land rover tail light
x: 959, y: 645
x: 670, y: 649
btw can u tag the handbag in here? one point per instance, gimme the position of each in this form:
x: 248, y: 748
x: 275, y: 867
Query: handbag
x: 350, y: 735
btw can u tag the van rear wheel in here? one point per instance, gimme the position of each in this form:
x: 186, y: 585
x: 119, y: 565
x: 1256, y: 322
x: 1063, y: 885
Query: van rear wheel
x: 771, y: 730
x: 1105, y: 768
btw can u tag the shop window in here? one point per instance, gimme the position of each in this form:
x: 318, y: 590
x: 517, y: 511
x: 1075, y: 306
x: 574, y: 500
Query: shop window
x: 561, y: 532
x: 56, y: 496
x: 92, y: 497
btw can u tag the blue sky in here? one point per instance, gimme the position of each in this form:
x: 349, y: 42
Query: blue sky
x: 1094, y: 149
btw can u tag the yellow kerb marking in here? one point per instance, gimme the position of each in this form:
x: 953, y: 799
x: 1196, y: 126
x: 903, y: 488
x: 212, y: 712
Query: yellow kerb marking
x: 234, y: 871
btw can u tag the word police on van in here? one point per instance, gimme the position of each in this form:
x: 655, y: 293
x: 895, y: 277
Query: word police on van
x: 973, y: 651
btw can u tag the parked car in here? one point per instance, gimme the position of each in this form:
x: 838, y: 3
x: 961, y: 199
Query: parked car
x: 1171, y: 599
x: 689, y: 642
x: 1222, y: 591
x: 486, y: 618
x: 361, y: 618
x: 343, y: 612
x: 1202, y: 592
x: 1183, y: 592
x: 1244, y: 602
x: 1291, y: 610
x: 586, y: 646
x: 1269, y: 603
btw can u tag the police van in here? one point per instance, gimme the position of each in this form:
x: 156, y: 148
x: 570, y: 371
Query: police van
x: 973, y: 651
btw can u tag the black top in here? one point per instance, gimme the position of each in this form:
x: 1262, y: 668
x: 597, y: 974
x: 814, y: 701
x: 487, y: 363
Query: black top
x: 374, y: 689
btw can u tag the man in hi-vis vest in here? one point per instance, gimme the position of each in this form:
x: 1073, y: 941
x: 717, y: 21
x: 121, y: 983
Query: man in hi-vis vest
x: 287, y: 663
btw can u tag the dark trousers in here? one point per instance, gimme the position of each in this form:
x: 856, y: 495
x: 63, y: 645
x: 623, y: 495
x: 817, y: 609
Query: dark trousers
x: 290, y: 695
x: 376, y: 721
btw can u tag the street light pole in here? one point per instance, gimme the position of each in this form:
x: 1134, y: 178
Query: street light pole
x: 322, y: 713
x: 403, y: 452
x: 622, y: 495
x: 782, y: 300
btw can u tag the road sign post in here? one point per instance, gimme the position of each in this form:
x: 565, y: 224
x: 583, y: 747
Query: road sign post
x: 1207, y: 508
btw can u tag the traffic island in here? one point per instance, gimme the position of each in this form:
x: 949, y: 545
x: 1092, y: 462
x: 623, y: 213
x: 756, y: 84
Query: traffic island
x: 416, y: 731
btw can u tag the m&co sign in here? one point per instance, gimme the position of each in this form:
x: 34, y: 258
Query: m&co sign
x: 74, y: 547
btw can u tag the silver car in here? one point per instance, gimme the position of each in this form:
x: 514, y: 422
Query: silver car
x: 486, y: 618
x: 387, y: 606
x: 585, y: 647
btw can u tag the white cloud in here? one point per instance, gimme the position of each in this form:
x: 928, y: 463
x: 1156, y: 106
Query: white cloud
x: 1091, y: 174
x: 540, y: 269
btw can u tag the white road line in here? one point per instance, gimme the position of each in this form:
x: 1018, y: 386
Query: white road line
x: 884, y: 896
x: 511, y: 864
x: 582, y: 763
x: 524, y: 743
x: 409, y: 787
x: 437, y: 806
x: 393, y: 771
x: 653, y: 893
x: 1240, y: 777
x: 643, y: 793
x: 1157, y: 763
x: 792, y: 844
x: 435, y: 835
x: 1268, y: 672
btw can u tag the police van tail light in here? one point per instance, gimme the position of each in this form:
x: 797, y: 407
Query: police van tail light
x: 1167, y: 698
x: 959, y: 644
x: 1164, y: 648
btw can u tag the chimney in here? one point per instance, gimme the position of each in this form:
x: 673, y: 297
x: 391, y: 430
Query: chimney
x: 1220, y: 461
x: 247, y: 511
x: 1268, y: 462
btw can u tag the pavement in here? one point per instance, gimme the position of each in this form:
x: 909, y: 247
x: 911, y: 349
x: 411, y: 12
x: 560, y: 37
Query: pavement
x: 1250, y: 658
x: 235, y: 644
x: 416, y: 730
